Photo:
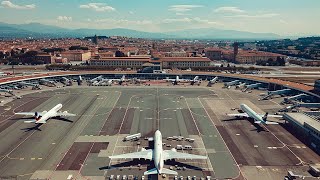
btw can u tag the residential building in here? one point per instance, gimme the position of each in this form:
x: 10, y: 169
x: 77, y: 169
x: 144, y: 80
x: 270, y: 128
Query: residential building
x: 252, y: 57
x: 186, y: 62
x: 165, y: 62
x: 46, y: 58
x: 76, y: 55
x: 213, y: 54
x: 120, y: 62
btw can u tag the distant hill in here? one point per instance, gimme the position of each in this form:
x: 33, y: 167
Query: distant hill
x: 213, y: 33
x: 38, y: 30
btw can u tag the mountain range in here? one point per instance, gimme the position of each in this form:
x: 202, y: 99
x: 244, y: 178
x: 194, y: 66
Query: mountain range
x: 37, y: 30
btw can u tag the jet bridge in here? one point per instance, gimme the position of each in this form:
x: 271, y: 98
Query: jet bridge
x: 7, y: 91
x: 289, y: 100
x: 278, y: 92
x: 252, y: 86
x: 47, y: 82
x: 232, y: 83
x: 308, y: 105
x: 25, y: 84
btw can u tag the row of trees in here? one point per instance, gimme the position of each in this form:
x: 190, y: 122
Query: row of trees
x: 20, y: 57
x: 270, y: 62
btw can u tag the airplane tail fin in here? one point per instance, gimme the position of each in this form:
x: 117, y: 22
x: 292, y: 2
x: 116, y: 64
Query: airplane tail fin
x: 36, y: 116
x: 163, y: 171
x: 265, y: 116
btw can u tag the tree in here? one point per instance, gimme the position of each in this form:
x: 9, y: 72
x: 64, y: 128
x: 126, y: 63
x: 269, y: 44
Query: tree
x: 12, y: 53
x: 281, y: 61
x: 270, y: 62
x: 1, y: 55
x: 119, y: 54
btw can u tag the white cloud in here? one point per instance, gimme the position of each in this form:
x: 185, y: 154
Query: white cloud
x: 181, y: 14
x: 100, y: 7
x: 183, y: 8
x: 228, y: 9
x: 190, y: 20
x: 8, y: 4
x: 123, y: 22
x: 64, y: 18
x: 268, y: 15
x: 131, y: 12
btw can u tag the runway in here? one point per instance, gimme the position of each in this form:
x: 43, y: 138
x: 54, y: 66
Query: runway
x: 80, y: 147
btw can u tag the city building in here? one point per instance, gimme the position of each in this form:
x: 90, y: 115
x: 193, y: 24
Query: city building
x: 46, y: 58
x: 120, y: 62
x: 59, y: 60
x: 305, y: 62
x: 176, y: 54
x: 165, y: 62
x: 105, y: 54
x: 235, y: 50
x: 186, y: 62
x: 76, y: 55
x: 252, y: 57
x: 213, y: 54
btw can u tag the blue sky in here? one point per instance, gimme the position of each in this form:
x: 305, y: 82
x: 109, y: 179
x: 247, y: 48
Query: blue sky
x: 284, y: 17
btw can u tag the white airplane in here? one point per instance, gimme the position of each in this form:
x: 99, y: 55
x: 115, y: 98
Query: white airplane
x: 214, y: 80
x: 42, y: 117
x: 176, y: 80
x: 158, y: 155
x: 106, y: 82
x: 195, y: 80
x: 96, y: 79
x: 258, y: 118
x: 120, y: 81
x: 66, y: 81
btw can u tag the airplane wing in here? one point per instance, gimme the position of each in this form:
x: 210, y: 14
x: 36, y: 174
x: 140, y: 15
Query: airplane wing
x: 65, y: 114
x: 146, y: 154
x: 275, y: 116
x: 238, y: 115
x: 169, y: 154
x: 28, y: 113
x: 267, y: 122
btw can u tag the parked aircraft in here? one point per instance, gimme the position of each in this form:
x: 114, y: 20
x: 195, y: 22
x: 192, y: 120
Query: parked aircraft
x: 47, y: 82
x: 158, y: 155
x: 42, y: 117
x: 195, y: 80
x: 120, y: 81
x: 96, y: 79
x: 105, y: 82
x: 25, y: 84
x: 214, y: 80
x: 178, y: 80
x: 66, y: 81
x: 258, y: 118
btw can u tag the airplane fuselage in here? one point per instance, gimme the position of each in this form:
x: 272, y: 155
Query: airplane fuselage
x: 51, y: 113
x: 157, y: 153
x: 251, y: 113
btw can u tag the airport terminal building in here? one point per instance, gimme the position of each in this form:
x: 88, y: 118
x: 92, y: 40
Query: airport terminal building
x: 305, y: 128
